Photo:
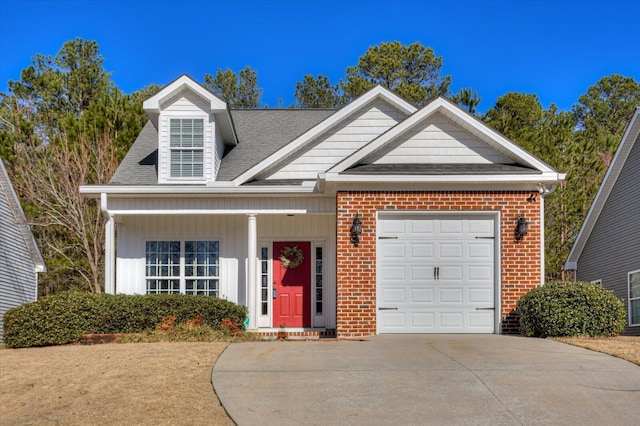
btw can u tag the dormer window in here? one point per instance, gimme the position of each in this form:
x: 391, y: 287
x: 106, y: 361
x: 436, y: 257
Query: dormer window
x: 186, y: 142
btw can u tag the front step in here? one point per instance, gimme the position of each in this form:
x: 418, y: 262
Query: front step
x: 297, y: 334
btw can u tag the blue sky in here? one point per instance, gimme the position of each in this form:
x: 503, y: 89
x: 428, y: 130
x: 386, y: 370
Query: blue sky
x: 554, y: 48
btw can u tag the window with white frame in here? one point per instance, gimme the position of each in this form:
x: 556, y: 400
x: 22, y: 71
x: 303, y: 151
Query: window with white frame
x: 634, y: 297
x: 186, y: 267
x: 264, y: 281
x: 186, y: 144
x: 318, y: 280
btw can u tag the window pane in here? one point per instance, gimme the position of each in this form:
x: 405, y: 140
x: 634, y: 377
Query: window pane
x: 635, y: 312
x: 634, y: 285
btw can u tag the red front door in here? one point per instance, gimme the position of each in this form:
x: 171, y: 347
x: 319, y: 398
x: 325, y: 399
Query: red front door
x: 292, y: 284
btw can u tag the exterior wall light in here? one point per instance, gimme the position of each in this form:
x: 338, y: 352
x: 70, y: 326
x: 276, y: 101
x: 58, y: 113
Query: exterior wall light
x: 356, y: 230
x: 521, y: 228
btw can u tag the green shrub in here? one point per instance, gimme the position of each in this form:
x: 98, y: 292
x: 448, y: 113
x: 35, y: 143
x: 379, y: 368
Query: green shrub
x: 569, y: 309
x: 65, y: 317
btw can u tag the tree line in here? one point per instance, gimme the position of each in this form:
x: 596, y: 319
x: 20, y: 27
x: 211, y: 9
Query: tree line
x: 64, y: 124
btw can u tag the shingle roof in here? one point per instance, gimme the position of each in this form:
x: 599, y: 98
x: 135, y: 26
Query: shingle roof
x: 260, y: 132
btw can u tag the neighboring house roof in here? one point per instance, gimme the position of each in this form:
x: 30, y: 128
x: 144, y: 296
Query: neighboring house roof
x: 20, y: 219
x: 631, y: 137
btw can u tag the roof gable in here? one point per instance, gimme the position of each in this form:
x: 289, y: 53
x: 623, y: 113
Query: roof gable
x: 437, y: 140
x: 183, y: 82
x: 336, y: 143
x: 375, y: 94
x: 20, y: 220
x: 628, y: 143
x: 186, y: 89
x: 475, y: 141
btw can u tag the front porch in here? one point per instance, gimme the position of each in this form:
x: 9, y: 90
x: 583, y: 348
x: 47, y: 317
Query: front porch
x: 240, y: 261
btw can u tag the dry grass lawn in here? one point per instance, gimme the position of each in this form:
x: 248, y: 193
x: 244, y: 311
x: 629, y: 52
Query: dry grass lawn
x: 625, y: 347
x: 142, y: 384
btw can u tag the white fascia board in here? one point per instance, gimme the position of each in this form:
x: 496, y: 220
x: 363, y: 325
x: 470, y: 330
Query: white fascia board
x: 203, y: 212
x: 545, y: 177
x: 440, y: 105
x: 184, y: 81
x: 94, y: 191
x: 377, y: 92
x: 610, y: 178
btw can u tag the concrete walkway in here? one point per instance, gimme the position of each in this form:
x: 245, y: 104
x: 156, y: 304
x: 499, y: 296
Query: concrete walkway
x: 426, y: 379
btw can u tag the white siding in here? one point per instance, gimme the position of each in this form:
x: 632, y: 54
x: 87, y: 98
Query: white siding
x: 219, y: 152
x: 437, y: 140
x: 339, y: 142
x: 187, y: 104
x: 231, y: 231
x: 18, y: 279
x: 220, y: 205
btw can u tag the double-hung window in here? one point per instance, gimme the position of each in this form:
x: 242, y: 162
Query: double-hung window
x: 186, y: 267
x: 634, y: 297
x: 186, y: 143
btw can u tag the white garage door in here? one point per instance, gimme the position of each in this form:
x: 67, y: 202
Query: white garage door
x: 436, y: 274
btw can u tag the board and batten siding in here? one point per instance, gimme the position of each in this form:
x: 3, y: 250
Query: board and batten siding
x: 187, y: 104
x: 613, y: 247
x: 437, y: 140
x: 338, y: 142
x: 232, y: 233
x: 18, y: 277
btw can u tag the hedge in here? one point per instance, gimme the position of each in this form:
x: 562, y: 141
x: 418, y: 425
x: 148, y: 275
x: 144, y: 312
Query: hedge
x: 63, y: 318
x: 564, y: 308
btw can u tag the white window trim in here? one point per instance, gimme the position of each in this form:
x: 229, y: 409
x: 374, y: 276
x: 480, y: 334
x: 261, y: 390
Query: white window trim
x: 637, y: 271
x: 182, y: 277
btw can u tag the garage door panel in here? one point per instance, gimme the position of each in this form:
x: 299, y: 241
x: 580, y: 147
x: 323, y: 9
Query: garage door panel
x: 394, y: 273
x: 450, y: 273
x: 479, y: 250
x: 451, y: 295
x: 480, y: 228
x: 394, y: 250
x: 421, y: 251
x: 451, y: 251
x: 419, y: 228
x: 422, y: 319
x: 422, y: 295
x: 421, y: 273
x: 451, y: 227
x: 416, y: 299
x: 479, y: 273
x: 481, y: 320
x: 480, y: 296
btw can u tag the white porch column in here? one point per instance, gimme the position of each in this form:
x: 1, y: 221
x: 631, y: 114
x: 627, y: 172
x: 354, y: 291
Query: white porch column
x: 252, y: 247
x: 109, y: 256
x: 109, y: 247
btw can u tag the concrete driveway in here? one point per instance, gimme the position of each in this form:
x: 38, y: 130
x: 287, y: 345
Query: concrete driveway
x: 426, y: 379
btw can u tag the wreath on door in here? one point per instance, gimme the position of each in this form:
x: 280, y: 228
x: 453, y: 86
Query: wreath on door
x: 291, y: 257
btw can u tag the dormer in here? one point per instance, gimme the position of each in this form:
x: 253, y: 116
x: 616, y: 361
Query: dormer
x: 194, y: 128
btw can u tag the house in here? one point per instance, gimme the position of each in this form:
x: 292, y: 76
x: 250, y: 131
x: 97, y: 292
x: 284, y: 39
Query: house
x: 375, y: 218
x: 20, y: 259
x: 607, y: 249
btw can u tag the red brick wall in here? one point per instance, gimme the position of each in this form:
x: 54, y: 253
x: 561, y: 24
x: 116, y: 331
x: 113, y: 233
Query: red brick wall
x: 356, y: 266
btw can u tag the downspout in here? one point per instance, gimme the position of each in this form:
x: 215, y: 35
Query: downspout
x: 544, y: 191
x: 109, y: 247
